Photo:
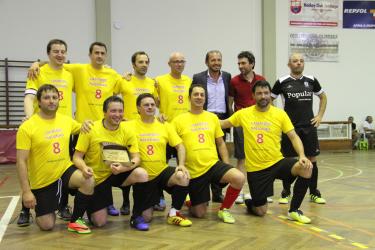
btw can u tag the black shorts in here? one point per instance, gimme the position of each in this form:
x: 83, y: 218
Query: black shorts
x: 102, y: 197
x: 239, y: 150
x: 261, y: 182
x: 48, y: 198
x: 309, y: 138
x: 171, y: 152
x: 155, y: 186
x: 199, y: 189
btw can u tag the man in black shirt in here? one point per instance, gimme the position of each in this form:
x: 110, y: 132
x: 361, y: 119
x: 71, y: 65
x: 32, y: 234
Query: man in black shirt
x: 297, y: 91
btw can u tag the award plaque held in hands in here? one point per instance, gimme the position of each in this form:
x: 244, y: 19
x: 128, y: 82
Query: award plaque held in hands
x: 116, y: 154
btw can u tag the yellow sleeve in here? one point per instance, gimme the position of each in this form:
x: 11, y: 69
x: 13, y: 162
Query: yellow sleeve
x: 76, y: 127
x: 173, y: 138
x: 23, y: 140
x: 83, y: 142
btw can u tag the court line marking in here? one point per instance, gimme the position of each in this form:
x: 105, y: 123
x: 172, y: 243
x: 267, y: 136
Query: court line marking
x: 7, y: 215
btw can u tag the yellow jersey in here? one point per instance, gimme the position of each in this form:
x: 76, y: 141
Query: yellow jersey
x: 173, y: 95
x: 262, y: 135
x: 130, y: 90
x: 48, y: 145
x: 61, y: 79
x: 92, y: 87
x: 198, y: 132
x: 92, y: 144
x: 152, y: 141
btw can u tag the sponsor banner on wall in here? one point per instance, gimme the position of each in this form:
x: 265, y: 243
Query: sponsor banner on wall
x: 359, y: 15
x: 315, y: 47
x: 318, y: 13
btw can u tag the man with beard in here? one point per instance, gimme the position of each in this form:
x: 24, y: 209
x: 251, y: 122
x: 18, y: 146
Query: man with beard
x: 297, y: 91
x: 262, y: 125
x: 44, y: 166
x: 240, y: 95
x: 216, y: 83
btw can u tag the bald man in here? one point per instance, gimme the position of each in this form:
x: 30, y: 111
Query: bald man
x: 297, y: 91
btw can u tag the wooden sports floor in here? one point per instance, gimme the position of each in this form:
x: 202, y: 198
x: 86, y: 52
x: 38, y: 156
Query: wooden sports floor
x: 347, y: 221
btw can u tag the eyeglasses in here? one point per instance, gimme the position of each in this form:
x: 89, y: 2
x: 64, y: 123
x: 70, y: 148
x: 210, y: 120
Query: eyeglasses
x: 179, y: 61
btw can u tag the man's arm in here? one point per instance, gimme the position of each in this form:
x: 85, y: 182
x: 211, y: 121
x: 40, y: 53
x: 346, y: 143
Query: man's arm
x: 225, y: 124
x: 322, y: 108
x: 222, y: 149
x: 181, y: 154
x: 28, y: 197
x: 298, y: 147
x: 231, y: 101
x: 81, y: 165
x: 28, y: 105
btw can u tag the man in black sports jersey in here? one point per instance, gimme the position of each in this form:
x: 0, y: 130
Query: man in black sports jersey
x: 297, y: 90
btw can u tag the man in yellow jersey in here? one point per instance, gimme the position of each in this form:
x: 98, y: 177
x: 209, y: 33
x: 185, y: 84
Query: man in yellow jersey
x: 130, y: 89
x: 44, y: 166
x: 153, y: 136
x: 263, y: 124
x: 105, y: 135
x: 51, y: 73
x: 201, y: 133
x: 173, y: 95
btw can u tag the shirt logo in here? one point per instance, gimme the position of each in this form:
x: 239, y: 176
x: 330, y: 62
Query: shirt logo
x: 306, y: 84
x: 289, y: 87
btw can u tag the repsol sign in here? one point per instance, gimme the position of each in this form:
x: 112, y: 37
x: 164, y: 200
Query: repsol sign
x: 355, y: 11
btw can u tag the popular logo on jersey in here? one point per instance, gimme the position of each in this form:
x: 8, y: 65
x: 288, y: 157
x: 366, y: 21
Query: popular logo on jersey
x: 295, y: 6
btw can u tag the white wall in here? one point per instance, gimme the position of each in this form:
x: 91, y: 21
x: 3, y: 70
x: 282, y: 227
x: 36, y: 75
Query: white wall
x: 348, y: 83
x: 192, y: 27
x: 26, y: 26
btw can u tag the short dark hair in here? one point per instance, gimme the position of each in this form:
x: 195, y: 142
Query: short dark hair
x: 211, y: 52
x: 134, y: 56
x: 97, y: 44
x: 143, y: 96
x: 45, y: 88
x: 198, y: 85
x: 249, y: 55
x: 111, y: 99
x: 56, y: 41
x: 261, y: 84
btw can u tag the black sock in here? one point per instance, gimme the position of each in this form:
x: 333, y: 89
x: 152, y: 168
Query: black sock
x: 314, y: 179
x: 25, y: 209
x: 299, y: 192
x: 81, y: 202
x: 125, y: 195
x: 178, y: 196
x: 64, y: 198
x: 138, y: 192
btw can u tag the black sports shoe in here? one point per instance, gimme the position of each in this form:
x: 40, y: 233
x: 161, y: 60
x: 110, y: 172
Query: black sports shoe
x: 24, y: 219
x: 125, y: 210
x: 64, y: 213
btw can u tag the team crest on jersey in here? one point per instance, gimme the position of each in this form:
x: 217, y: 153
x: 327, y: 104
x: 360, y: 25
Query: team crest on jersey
x: 289, y: 87
x: 306, y: 84
x: 295, y: 6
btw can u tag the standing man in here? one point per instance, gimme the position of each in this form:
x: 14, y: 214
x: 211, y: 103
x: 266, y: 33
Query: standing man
x: 216, y: 84
x: 44, y: 166
x: 240, y: 93
x: 297, y: 91
x: 153, y: 136
x: 203, y: 138
x: 262, y: 125
x: 102, y: 152
x: 51, y: 73
x: 137, y: 84
x: 173, y: 92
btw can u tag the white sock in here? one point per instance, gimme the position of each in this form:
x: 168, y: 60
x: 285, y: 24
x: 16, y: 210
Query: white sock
x: 172, y: 212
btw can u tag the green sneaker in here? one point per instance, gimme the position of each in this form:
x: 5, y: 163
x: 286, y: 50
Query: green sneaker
x: 226, y: 216
x: 284, y: 200
x: 316, y: 199
x: 298, y: 216
x: 79, y: 226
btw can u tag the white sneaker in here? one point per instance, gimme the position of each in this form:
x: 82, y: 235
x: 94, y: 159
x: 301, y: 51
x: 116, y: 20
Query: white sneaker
x: 240, y: 199
x: 269, y: 199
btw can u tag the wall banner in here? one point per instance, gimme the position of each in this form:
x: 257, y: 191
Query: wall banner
x: 316, y: 13
x: 315, y: 47
x: 359, y: 15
